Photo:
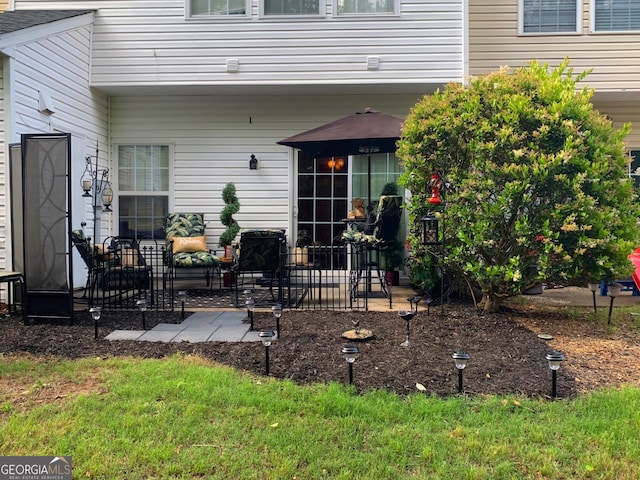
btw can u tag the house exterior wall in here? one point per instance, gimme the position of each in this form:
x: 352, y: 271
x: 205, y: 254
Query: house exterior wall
x: 494, y: 41
x: 146, y: 43
x: 56, y: 64
x: 213, y: 137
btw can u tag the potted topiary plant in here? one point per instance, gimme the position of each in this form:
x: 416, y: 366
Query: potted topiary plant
x: 232, y: 206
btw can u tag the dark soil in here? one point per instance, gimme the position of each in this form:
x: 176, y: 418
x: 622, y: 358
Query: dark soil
x: 507, y: 356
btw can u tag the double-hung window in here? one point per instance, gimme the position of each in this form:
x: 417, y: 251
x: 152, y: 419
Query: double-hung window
x: 616, y: 15
x: 366, y: 7
x: 291, y: 7
x: 549, y: 16
x: 143, y: 190
x: 217, y: 8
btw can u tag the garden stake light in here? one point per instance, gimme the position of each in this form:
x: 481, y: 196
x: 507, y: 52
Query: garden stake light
x: 277, y: 312
x: 182, y: 298
x: 593, y: 287
x: 461, y: 359
x: 267, y: 337
x: 406, y: 316
x: 413, y: 303
x: 350, y: 353
x: 554, y: 359
x: 142, y: 305
x: 613, y: 291
x: 95, y: 312
x: 251, y: 305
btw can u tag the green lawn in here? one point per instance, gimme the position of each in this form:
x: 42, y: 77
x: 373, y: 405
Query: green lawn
x: 180, y: 417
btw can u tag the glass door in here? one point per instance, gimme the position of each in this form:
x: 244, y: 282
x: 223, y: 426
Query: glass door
x: 323, y: 203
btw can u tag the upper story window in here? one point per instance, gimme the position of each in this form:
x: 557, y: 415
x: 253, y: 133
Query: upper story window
x: 616, y: 15
x: 216, y: 8
x: 549, y: 16
x: 365, y: 7
x: 291, y: 7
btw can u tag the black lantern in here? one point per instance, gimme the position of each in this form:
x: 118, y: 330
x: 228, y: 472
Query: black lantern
x: 253, y: 162
x: 430, y: 230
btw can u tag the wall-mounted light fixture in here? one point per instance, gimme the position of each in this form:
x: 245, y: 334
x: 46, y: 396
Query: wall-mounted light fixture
x: 253, y: 162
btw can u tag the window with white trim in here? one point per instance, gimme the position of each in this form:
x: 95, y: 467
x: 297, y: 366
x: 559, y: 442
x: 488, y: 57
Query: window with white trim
x: 143, y: 190
x: 365, y: 7
x: 616, y: 15
x: 291, y: 7
x: 549, y: 16
x: 217, y: 8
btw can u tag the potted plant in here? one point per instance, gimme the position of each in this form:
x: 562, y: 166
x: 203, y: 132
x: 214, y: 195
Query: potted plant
x: 232, y: 206
x: 392, y: 261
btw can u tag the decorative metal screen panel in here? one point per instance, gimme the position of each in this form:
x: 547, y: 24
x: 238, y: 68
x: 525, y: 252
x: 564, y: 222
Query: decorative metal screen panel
x: 46, y: 213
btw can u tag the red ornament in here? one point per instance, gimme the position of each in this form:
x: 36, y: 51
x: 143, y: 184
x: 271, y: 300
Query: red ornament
x: 436, y: 185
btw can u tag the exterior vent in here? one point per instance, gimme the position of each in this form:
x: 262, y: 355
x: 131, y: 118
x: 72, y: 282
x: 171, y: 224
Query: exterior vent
x: 232, y: 65
x: 45, y: 104
x: 373, y: 63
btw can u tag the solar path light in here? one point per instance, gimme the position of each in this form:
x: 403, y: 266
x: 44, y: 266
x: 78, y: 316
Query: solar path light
x: 182, y: 298
x: 277, y: 313
x: 350, y: 353
x: 407, y: 316
x: 593, y: 287
x: 461, y: 359
x: 267, y: 337
x: 251, y: 305
x: 554, y: 359
x: 96, y: 313
x: 613, y: 291
x: 142, y: 305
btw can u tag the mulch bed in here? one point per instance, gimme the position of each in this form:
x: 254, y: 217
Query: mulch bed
x: 507, y: 356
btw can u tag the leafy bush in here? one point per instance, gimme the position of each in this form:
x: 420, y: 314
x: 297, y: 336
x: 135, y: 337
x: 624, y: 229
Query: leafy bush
x: 536, y: 183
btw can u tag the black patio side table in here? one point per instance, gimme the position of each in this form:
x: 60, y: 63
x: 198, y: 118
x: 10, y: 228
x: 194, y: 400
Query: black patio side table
x: 10, y: 278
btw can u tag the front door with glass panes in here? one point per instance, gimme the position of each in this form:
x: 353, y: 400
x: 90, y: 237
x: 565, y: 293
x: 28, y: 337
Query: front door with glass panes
x: 325, y: 188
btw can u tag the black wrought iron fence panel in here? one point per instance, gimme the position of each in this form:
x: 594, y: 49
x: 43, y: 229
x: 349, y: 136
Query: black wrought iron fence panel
x: 319, y: 277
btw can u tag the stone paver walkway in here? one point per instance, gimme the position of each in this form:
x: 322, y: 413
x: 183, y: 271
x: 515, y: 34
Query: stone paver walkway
x: 215, y: 326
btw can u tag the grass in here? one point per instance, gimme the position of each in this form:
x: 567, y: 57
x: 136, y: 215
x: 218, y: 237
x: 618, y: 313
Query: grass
x: 184, y: 418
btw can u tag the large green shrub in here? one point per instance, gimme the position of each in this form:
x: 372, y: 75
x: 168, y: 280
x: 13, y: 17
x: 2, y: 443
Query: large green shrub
x: 232, y: 206
x: 537, y: 181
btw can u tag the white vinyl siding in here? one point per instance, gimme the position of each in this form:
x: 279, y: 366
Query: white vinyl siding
x: 494, y: 41
x: 55, y: 59
x: 213, y: 137
x: 616, y: 15
x: 544, y: 16
x: 151, y: 44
